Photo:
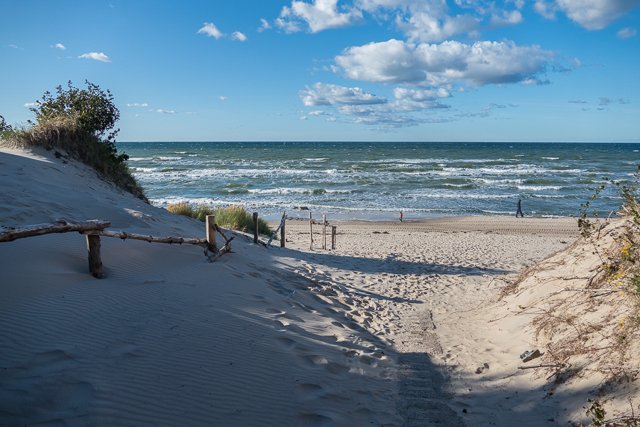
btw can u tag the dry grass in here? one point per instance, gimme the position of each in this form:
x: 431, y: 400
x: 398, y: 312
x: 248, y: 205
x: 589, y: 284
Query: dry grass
x: 233, y: 217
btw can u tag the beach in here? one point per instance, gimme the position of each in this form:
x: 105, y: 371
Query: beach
x: 401, y: 324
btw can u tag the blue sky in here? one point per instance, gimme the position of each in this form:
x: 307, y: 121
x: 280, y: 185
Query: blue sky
x: 429, y: 70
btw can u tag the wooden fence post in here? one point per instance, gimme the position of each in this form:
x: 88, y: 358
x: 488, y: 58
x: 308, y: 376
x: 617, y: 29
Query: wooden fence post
x: 255, y: 227
x: 95, y: 263
x: 324, y: 232
x: 211, y: 233
x: 311, y: 230
x: 282, y: 232
x: 333, y: 237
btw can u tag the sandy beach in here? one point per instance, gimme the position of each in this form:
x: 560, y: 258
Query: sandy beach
x: 401, y: 324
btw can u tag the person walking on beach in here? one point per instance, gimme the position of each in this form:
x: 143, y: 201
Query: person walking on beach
x: 400, y: 216
x: 519, y: 211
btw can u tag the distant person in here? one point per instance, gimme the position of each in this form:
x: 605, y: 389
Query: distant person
x: 401, y: 216
x: 519, y: 211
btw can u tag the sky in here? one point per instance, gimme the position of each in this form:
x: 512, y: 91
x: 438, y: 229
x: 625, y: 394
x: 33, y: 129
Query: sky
x: 335, y: 70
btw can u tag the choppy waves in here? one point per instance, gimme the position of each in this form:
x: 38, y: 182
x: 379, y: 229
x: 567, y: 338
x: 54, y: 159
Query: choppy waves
x: 375, y: 180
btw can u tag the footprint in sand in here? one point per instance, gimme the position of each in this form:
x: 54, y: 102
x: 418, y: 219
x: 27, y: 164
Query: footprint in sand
x: 287, y: 343
x: 309, y: 390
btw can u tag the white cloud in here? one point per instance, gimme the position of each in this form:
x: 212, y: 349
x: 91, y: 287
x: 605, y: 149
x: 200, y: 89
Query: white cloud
x: 627, y: 32
x: 30, y: 104
x: 355, y: 105
x: 14, y: 46
x: 162, y: 111
x: 330, y: 94
x: 318, y: 16
x: 506, y: 17
x: 481, y: 63
x: 137, y: 105
x: 237, y: 35
x: 546, y: 9
x: 209, y: 29
x: 590, y: 14
x: 264, y: 25
x: 425, y: 27
x: 59, y: 46
x: 222, y: 98
x: 96, y: 56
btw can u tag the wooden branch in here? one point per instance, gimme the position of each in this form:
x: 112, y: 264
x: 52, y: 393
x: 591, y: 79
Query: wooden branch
x: 226, y: 239
x: 151, y: 239
x: 8, y: 234
x: 555, y: 365
x: 225, y: 249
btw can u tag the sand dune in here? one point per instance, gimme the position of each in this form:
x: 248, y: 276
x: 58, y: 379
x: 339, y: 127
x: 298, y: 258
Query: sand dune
x: 398, y: 326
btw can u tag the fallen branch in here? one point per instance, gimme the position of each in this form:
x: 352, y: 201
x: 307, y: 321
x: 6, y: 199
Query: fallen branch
x: 151, y: 239
x: 8, y: 234
x: 555, y: 365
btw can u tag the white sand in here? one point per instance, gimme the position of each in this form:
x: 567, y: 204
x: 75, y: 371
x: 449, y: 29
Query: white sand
x: 389, y: 329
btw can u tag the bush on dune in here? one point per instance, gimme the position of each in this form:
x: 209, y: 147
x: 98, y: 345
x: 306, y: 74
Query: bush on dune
x: 233, y: 217
x: 80, y: 122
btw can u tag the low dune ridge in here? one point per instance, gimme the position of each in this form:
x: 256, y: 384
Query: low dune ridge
x: 402, y: 324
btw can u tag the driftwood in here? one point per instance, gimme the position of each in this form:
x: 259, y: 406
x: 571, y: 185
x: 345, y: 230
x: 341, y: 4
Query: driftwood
x: 8, y: 234
x: 151, y: 239
x: 280, y: 228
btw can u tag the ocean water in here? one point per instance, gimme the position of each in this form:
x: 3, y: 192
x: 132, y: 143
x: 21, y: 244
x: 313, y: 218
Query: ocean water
x: 365, y: 180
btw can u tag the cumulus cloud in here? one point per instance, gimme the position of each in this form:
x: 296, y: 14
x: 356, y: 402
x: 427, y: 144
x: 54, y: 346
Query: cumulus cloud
x: 59, y: 46
x: 163, y: 111
x: 30, y: 104
x: 222, y: 98
x: 506, y: 17
x: 356, y: 105
x: 137, y: 105
x: 425, y: 27
x: 627, y: 32
x: 318, y: 15
x: 481, y: 63
x: 590, y: 14
x: 330, y: 94
x: 210, y: 30
x: 237, y: 35
x: 96, y: 56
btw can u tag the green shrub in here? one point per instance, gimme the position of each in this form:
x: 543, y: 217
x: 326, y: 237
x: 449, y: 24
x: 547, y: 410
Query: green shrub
x: 233, y: 217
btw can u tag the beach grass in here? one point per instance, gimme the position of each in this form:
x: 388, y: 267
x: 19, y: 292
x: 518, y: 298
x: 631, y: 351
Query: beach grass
x: 233, y: 217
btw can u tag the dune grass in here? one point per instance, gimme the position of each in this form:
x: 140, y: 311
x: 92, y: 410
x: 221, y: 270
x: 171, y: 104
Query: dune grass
x: 233, y: 217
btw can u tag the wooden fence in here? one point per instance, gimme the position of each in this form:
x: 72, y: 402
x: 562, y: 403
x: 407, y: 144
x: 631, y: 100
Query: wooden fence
x: 94, y: 229
x: 282, y: 227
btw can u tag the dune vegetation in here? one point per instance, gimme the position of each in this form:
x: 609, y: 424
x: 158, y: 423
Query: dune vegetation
x: 233, y: 217
x: 78, y: 123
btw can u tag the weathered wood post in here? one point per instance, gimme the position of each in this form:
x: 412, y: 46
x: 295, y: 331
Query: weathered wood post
x: 333, y: 237
x: 324, y: 231
x: 255, y: 227
x: 95, y: 263
x: 211, y: 233
x: 311, y: 230
x: 282, y: 232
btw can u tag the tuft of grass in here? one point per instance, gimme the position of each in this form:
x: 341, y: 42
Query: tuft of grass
x: 233, y: 217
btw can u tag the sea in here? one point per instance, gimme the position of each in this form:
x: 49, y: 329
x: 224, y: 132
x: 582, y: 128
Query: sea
x: 377, y: 180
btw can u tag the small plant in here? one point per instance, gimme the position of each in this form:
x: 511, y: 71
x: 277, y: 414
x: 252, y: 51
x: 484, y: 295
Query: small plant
x: 4, y: 126
x: 233, y: 217
x: 596, y: 412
